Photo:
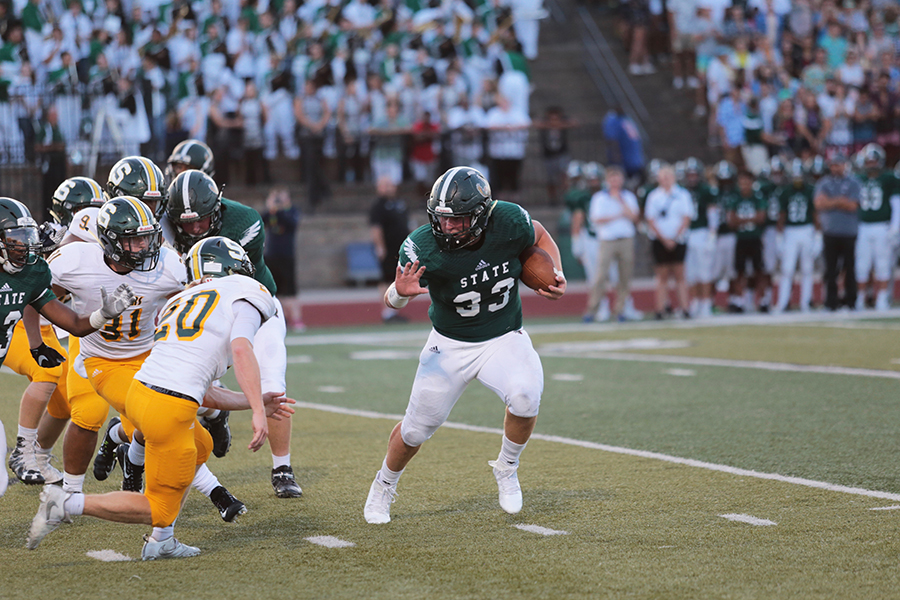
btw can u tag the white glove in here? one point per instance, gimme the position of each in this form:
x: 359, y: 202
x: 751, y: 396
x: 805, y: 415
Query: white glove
x: 818, y: 243
x: 112, y: 306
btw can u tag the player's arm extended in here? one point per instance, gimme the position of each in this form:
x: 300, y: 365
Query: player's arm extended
x: 544, y: 241
x: 111, y: 306
x: 224, y: 399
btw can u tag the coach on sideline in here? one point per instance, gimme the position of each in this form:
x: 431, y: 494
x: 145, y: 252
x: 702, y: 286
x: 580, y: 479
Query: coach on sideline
x: 837, y: 201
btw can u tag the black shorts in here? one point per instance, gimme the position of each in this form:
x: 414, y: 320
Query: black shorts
x: 664, y: 256
x: 284, y: 272
x: 748, y: 249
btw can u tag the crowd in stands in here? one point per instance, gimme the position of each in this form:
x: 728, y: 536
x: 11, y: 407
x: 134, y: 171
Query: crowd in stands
x: 361, y: 83
x: 778, y: 77
x: 724, y: 228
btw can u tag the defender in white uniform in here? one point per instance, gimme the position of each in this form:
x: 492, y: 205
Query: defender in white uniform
x: 204, y: 330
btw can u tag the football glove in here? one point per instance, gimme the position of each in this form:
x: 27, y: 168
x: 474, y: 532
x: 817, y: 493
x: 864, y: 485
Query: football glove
x: 46, y: 357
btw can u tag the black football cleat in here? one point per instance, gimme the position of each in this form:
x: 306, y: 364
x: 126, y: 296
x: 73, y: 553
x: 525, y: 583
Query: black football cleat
x: 105, y: 461
x: 228, y: 506
x: 220, y: 431
x: 284, y: 483
x: 132, y: 474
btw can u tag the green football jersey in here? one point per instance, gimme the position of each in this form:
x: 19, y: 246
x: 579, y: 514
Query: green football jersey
x: 31, y: 286
x: 474, y: 290
x: 702, y: 198
x: 580, y: 199
x: 720, y: 196
x: 875, y: 197
x: 797, y: 204
x: 243, y: 225
x: 746, y: 208
x: 772, y: 193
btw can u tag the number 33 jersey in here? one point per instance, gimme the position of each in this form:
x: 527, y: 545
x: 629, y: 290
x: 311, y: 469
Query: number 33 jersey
x: 194, y: 333
x: 474, y: 290
x: 80, y: 269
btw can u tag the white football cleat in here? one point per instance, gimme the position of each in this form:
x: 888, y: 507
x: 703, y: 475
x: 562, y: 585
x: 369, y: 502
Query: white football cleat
x: 378, y: 504
x: 50, y: 514
x: 50, y: 473
x: 170, y: 548
x: 508, y: 485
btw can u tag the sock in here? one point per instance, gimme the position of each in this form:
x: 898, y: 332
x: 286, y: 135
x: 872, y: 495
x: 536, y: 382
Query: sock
x: 73, y: 483
x: 767, y: 297
x: 209, y: 413
x: 387, y: 476
x: 136, y: 454
x: 74, y: 504
x: 117, y: 434
x: 29, y: 435
x: 161, y: 534
x: 281, y: 461
x: 881, y: 298
x: 204, y: 481
x: 510, y: 451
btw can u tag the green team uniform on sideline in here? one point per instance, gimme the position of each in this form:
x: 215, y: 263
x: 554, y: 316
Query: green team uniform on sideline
x: 772, y: 193
x: 875, y: 197
x: 702, y: 198
x: 243, y: 225
x: 721, y: 198
x: 797, y: 204
x: 474, y: 290
x: 577, y: 199
x: 746, y: 208
x: 30, y: 286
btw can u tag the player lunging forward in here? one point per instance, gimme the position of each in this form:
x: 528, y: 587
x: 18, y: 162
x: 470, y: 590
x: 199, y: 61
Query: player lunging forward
x: 467, y: 260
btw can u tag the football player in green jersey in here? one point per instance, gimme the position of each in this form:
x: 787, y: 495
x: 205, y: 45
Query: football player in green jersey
x: 798, y: 223
x: 724, y: 179
x: 701, y: 243
x: 879, y: 221
x: 770, y: 184
x: 746, y: 214
x: 25, y: 285
x: 195, y: 211
x: 467, y: 260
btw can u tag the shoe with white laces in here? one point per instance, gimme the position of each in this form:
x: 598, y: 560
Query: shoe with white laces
x: 23, y: 463
x: 50, y: 473
x: 132, y: 474
x: 508, y: 485
x: 228, y: 506
x: 50, y: 514
x: 170, y: 548
x: 105, y: 461
x: 378, y: 504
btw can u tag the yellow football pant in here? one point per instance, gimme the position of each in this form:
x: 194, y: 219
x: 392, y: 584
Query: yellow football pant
x: 111, y: 380
x: 89, y: 410
x: 176, y: 445
x: 19, y: 359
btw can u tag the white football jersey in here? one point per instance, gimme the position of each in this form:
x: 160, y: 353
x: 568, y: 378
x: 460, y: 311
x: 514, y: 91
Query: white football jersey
x: 83, y: 227
x: 80, y: 269
x: 194, y: 333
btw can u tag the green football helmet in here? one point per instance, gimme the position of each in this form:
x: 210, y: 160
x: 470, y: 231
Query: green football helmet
x: 871, y: 158
x: 817, y: 166
x: 217, y: 256
x: 192, y: 197
x: 20, y: 242
x: 129, y: 233
x: 72, y: 195
x: 190, y: 154
x: 725, y: 171
x: 797, y: 171
x: 460, y: 192
x: 139, y: 178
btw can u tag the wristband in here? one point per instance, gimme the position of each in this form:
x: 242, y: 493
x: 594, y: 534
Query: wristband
x: 97, y: 319
x: 394, y: 299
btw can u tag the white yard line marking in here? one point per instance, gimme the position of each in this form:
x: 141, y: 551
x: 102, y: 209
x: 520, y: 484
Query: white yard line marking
x: 108, y: 556
x: 748, y: 519
x: 329, y: 541
x: 615, y: 345
x: 300, y: 359
x: 895, y: 507
x: 384, y: 355
x: 567, y: 377
x: 330, y: 389
x: 540, y: 530
x: 738, y: 364
x: 680, y: 372
x: 831, y: 487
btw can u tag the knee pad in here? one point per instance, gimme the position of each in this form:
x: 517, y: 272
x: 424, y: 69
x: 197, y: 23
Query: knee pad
x: 415, y: 434
x: 524, y: 403
x: 89, y: 411
x: 58, y: 407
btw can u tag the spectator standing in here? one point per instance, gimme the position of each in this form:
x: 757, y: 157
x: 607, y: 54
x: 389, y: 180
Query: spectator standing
x: 422, y: 155
x: 253, y: 115
x: 507, y: 143
x: 613, y: 213
x: 312, y: 112
x: 753, y: 150
x: 836, y: 201
x: 625, y: 148
x: 730, y: 119
x: 555, y: 147
x: 388, y: 139
x: 682, y: 16
x: 281, y: 124
x: 668, y: 214
x: 352, y: 146
x: 153, y: 91
x: 50, y: 147
x: 865, y: 118
x: 389, y: 226
x: 282, y: 219
x: 466, y: 146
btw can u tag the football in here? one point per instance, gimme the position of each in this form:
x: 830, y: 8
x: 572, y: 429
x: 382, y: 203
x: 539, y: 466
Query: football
x: 537, y: 269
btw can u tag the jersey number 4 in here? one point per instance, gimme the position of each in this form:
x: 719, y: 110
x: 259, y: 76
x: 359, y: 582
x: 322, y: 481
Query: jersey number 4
x: 469, y: 303
x: 189, y: 320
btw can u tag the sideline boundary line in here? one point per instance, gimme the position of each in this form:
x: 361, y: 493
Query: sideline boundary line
x: 831, y: 487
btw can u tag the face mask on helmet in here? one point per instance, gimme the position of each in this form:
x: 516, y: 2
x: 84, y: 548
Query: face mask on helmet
x: 139, y: 251
x: 217, y: 257
x: 194, y: 208
x: 459, y: 208
x: 20, y: 246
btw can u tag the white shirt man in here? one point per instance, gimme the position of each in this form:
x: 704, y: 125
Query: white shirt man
x: 667, y: 209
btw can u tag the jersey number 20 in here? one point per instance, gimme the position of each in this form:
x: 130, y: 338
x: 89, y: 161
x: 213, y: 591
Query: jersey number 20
x: 188, y: 322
